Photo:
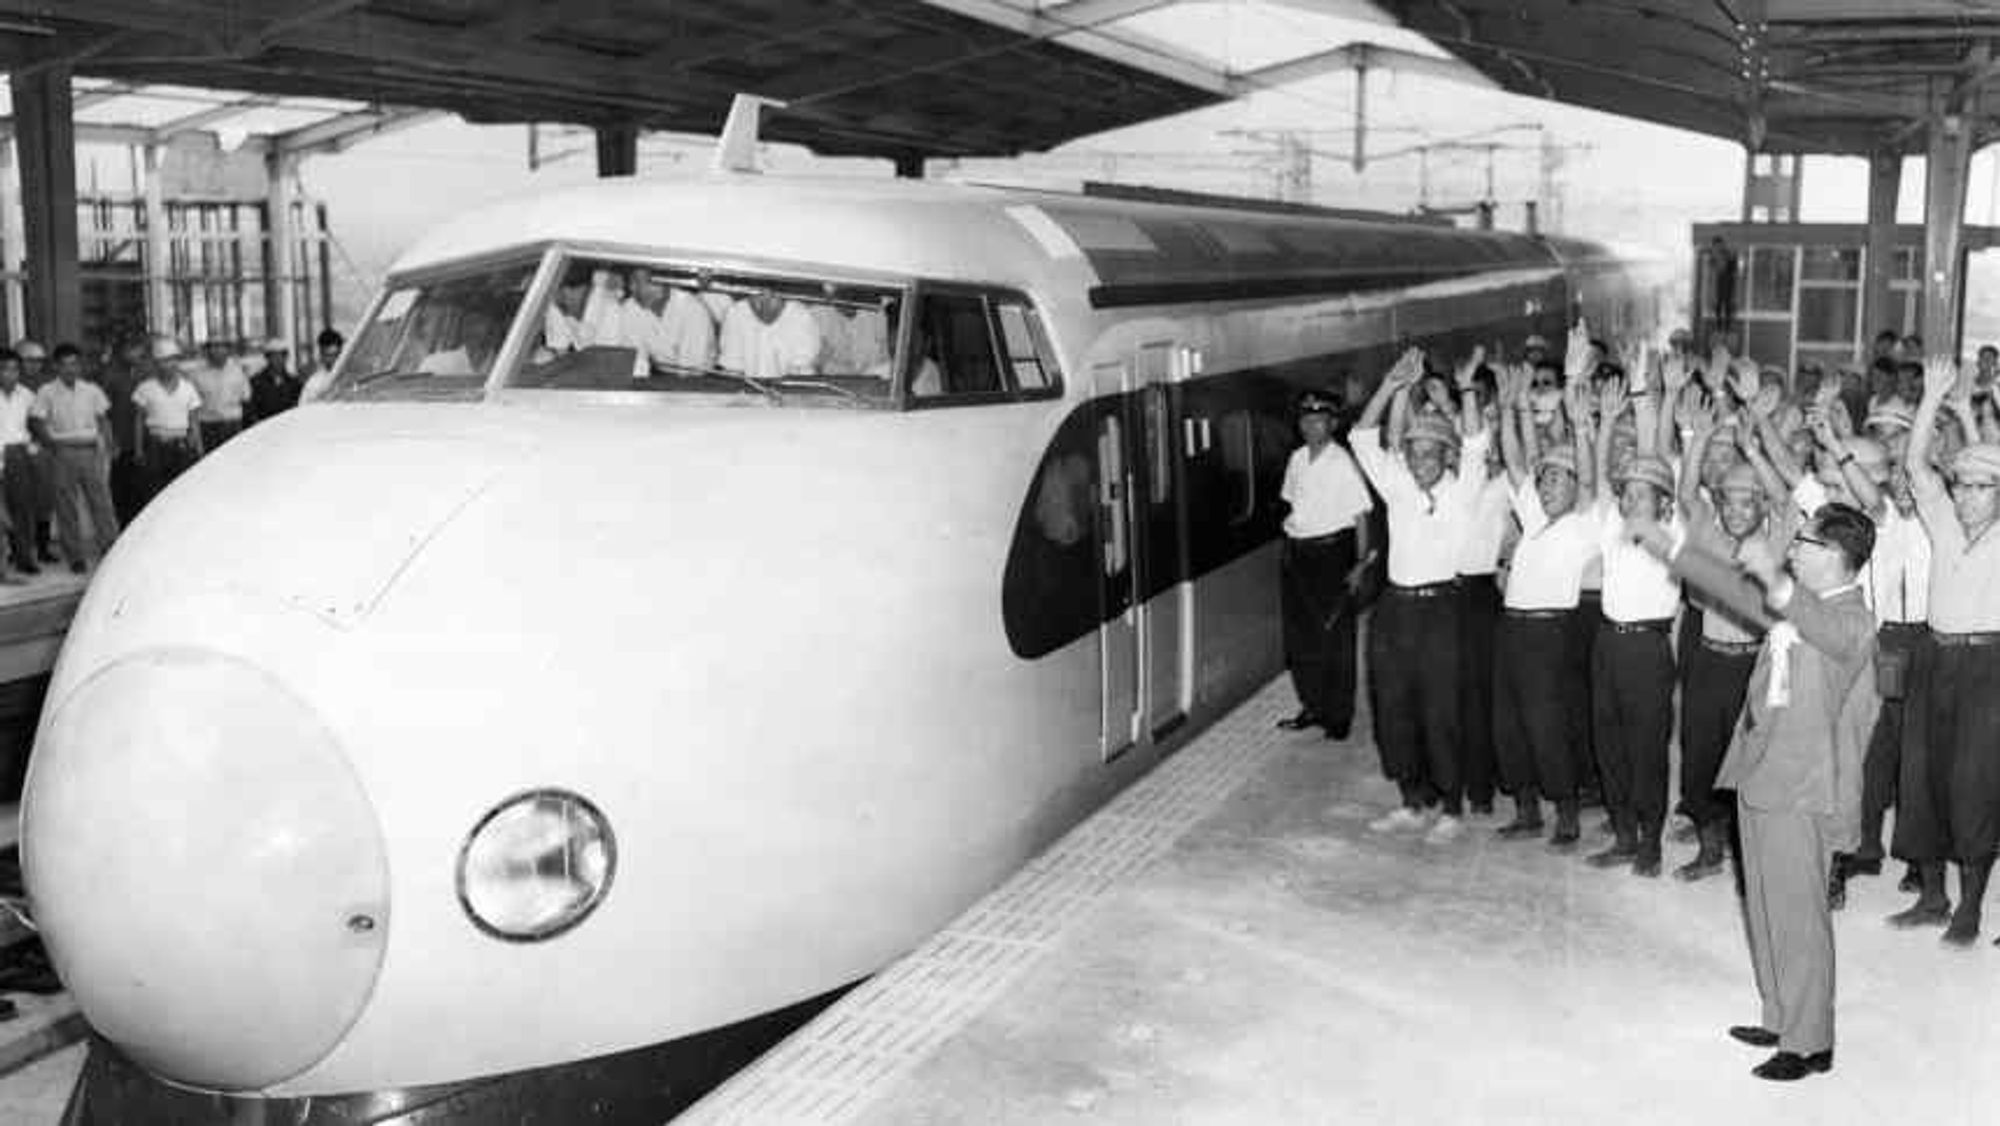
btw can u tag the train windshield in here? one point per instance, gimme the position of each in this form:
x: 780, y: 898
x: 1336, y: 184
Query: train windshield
x: 619, y: 326
x: 436, y: 338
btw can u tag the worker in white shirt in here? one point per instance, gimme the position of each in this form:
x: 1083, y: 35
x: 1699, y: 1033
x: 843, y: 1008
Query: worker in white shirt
x: 1897, y: 582
x: 1537, y: 697
x: 768, y: 337
x: 1413, y: 639
x: 164, y: 432
x: 224, y: 390
x: 563, y: 328
x: 1491, y: 524
x: 20, y: 473
x: 668, y: 326
x: 319, y: 375
x: 853, y: 340
x: 1326, y: 553
x: 1719, y: 659
x: 1632, y: 665
x: 72, y: 416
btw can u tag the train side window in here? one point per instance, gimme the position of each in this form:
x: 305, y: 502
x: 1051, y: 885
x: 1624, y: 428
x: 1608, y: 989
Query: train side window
x: 1029, y: 356
x: 951, y: 351
x: 1239, y: 461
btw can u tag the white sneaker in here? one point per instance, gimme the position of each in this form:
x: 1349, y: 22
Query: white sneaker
x: 1398, y: 820
x: 1446, y: 830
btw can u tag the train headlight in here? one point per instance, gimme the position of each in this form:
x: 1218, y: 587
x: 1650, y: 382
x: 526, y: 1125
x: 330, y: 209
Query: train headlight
x: 535, y: 866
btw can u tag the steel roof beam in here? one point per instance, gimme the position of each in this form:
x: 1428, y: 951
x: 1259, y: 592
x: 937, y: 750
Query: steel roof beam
x: 338, y: 133
x: 1123, y: 47
x: 215, y: 115
x: 1355, y: 55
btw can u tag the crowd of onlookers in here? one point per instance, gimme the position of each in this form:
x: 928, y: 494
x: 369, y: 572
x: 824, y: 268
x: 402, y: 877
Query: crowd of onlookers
x: 87, y: 441
x: 1526, y: 643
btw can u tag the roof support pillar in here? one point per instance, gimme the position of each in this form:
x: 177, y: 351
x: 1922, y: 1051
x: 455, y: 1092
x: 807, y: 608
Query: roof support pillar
x: 45, y: 127
x: 617, y: 150
x: 910, y: 165
x: 159, y: 249
x: 1950, y: 160
x: 1885, y: 181
x: 280, y: 289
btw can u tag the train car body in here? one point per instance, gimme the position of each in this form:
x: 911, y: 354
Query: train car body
x: 528, y: 710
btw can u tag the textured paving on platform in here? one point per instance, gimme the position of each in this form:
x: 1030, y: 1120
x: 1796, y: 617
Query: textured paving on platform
x: 1282, y: 964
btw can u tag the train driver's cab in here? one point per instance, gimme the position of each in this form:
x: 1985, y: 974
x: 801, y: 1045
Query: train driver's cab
x: 608, y: 324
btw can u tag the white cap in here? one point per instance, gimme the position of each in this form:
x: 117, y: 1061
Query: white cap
x: 166, y: 347
x: 29, y: 350
x: 277, y: 344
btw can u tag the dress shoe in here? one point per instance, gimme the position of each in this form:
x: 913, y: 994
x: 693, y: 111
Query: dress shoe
x: 1519, y: 829
x: 1338, y: 733
x: 1306, y: 718
x: 1836, y: 893
x: 1483, y: 808
x: 47, y: 556
x: 1964, y: 928
x: 1755, y: 1035
x: 1647, y: 863
x: 1565, y: 837
x: 1921, y: 914
x: 1864, y: 865
x: 1912, y: 882
x: 29, y: 569
x: 1619, y: 854
x: 1787, y: 1066
x: 78, y: 567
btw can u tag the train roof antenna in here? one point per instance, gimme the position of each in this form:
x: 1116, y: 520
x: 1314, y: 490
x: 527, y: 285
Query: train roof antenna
x: 736, y: 149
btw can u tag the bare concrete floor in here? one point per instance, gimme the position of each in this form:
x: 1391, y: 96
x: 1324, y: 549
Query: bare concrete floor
x: 1285, y: 965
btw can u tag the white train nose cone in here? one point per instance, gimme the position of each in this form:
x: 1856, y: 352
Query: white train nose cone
x: 206, y: 869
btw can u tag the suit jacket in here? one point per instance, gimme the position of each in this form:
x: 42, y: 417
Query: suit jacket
x: 1804, y: 756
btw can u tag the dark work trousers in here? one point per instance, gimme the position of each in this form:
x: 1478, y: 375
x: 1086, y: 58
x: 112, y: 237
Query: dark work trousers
x: 214, y: 432
x: 1319, y: 625
x: 1583, y: 626
x: 1534, y: 698
x: 1413, y: 664
x: 1884, y: 762
x: 1951, y: 767
x: 21, y: 483
x: 1717, y: 673
x: 130, y: 486
x: 1632, y: 702
x: 166, y: 459
x: 1478, y: 610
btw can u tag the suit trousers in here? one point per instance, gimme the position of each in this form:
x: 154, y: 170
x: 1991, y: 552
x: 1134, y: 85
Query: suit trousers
x: 1478, y: 611
x: 1711, y: 703
x: 1632, y: 704
x: 1534, y: 696
x: 1884, y: 761
x: 1949, y: 786
x: 1413, y: 665
x: 1785, y: 867
x: 1320, y: 656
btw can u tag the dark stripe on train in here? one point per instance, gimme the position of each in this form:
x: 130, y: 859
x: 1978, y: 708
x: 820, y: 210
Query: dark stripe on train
x: 1250, y: 289
x: 1055, y: 589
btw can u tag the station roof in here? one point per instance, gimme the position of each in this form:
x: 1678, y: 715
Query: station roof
x: 881, y: 77
x: 1813, y: 76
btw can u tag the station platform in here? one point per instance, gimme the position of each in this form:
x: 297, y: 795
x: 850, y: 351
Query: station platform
x: 1277, y: 962
x: 34, y: 615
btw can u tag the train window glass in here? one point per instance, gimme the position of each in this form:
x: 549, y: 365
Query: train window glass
x: 435, y: 338
x: 1239, y: 460
x: 1111, y: 493
x: 951, y: 350
x: 1028, y: 353
x: 1159, y: 447
x: 613, y: 325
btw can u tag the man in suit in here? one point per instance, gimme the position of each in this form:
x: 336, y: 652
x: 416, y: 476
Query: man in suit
x: 1795, y: 762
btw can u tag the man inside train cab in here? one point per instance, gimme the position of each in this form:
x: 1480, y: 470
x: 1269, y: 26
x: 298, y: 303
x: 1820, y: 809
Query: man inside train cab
x: 1326, y: 553
x: 767, y: 337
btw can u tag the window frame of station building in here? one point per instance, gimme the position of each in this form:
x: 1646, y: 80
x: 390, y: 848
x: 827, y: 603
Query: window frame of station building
x: 551, y: 262
x: 1763, y: 262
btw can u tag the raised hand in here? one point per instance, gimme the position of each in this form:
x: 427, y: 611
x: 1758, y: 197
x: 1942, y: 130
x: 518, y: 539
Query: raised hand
x: 1611, y: 399
x: 1576, y: 358
x: 1941, y: 374
x: 1409, y: 368
x: 1469, y: 367
x: 1675, y: 372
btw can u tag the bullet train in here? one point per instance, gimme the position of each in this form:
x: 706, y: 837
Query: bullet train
x: 542, y: 723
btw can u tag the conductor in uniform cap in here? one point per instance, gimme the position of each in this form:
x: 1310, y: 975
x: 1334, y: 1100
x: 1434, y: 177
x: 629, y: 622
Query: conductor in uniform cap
x: 1326, y: 553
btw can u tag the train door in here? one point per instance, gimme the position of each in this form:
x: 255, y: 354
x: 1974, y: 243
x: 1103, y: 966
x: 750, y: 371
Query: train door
x: 1166, y: 613
x: 1118, y: 633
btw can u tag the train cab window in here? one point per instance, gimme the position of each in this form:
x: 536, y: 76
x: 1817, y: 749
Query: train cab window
x: 612, y: 325
x: 435, y: 338
x: 974, y: 348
